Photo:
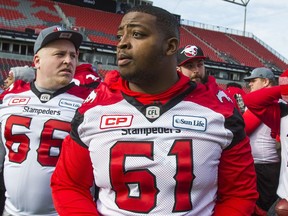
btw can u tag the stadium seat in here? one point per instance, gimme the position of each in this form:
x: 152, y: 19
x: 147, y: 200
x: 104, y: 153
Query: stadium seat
x: 260, y: 50
x: 220, y: 42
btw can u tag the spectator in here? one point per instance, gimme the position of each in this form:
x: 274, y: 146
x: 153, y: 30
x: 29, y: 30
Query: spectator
x: 86, y: 75
x: 154, y: 142
x: 235, y: 91
x: 24, y: 73
x: 264, y: 151
x: 35, y: 119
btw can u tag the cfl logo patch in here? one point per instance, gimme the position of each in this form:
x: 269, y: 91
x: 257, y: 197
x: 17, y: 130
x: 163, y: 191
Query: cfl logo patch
x: 44, y: 97
x: 152, y: 112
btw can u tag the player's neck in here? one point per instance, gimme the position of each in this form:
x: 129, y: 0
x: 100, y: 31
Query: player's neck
x: 43, y: 89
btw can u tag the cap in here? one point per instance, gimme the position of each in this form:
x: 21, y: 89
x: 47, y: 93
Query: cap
x: 53, y: 33
x: 260, y: 73
x: 25, y: 73
x: 188, y: 53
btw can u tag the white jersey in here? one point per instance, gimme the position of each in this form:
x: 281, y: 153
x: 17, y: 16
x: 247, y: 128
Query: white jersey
x: 282, y: 190
x: 263, y: 146
x: 156, y: 159
x: 33, y: 127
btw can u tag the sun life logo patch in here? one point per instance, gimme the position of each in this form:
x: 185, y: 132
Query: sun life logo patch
x: 197, y: 123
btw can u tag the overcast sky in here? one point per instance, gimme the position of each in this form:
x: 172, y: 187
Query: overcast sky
x: 266, y: 19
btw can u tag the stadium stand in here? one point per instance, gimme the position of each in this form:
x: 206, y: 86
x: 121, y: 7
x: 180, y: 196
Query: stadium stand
x: 223, y: 44
x: 188, y: 38
x: 6, y: 64
x: 229, y: 56
x: 260, y: 51
x: 92, y: 19
x: 22, y: 15
x: 101, y: 39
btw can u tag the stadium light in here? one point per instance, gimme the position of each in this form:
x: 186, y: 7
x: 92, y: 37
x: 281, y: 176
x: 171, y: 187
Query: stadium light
x: 243, y: 3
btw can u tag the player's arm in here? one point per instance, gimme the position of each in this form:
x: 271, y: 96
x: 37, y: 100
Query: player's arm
x: 251, y: 122
x: 264, y: 104
x: 2, y: 152
x: 237, y: 193
x: 72, y: 180
x: 2, y: 186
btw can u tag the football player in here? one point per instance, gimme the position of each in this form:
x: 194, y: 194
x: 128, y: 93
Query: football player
x: 35, y: 117
x: 154, y: 142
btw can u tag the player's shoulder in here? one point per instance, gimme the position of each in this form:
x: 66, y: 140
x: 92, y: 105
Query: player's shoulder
x: 79, y: 91
x: 17, y: 87
x: 214, y: 98
x: 103, y: 95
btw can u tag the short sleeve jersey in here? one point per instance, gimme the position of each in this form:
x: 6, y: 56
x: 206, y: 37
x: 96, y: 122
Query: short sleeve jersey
x: 33, y: 127
x: 282, y: 190
x: 154, y: 158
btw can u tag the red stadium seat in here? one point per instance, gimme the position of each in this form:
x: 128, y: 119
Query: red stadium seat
x: 220, y: 42
x: 260, y: 50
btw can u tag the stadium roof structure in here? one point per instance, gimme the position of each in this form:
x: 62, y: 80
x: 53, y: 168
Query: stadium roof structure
x: 241, y: 3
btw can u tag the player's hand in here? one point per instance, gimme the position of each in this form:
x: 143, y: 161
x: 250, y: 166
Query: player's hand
x: 282, y: 208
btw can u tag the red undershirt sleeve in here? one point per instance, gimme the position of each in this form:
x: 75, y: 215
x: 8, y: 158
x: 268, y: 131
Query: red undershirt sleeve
x: 251, y: 122
x: 264, y: 104
x: 72, y: 180
x: 237, y: 192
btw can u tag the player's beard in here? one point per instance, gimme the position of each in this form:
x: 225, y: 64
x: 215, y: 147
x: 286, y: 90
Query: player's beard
x: 199, y: 79
x: 205, y: 78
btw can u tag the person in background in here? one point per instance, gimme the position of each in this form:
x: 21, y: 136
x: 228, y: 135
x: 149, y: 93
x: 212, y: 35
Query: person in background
x: 191, y: 63
x: 2, y: 186
x: 35, y: 117
x: 154, y: 142
x: 263, y: 144
x: 24, y: 73
x: 265, y: 104
x: 86, y: 75
x: 236, y: 91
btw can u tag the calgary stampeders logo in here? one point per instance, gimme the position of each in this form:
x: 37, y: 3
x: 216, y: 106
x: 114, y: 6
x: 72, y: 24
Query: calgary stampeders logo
x: 190, y: 51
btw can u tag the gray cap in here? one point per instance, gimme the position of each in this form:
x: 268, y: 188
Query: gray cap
x: 53, y: 33
x: 260, y: 73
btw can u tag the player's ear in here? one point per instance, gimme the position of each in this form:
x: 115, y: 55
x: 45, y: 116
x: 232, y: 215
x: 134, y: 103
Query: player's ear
x: 172, y: 46
x: 266, y: 82
x: 36, y: 60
